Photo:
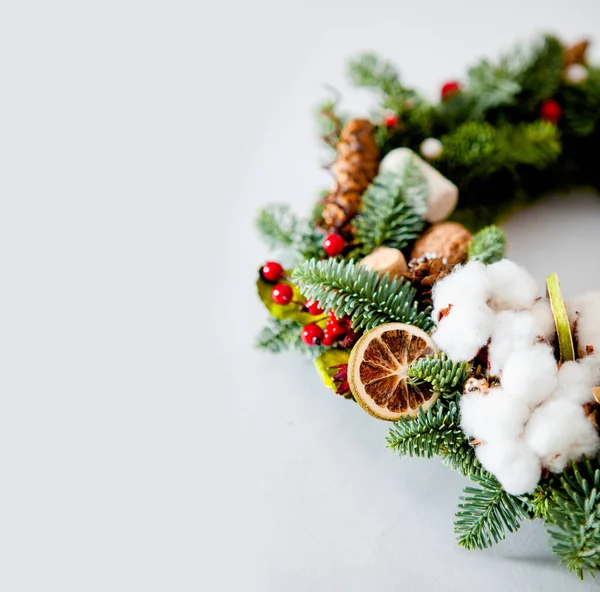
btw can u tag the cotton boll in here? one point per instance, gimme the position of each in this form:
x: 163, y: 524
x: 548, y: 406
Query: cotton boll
x: 531, y: 374
x: 575, y: 381
x: 464, y: 331
x: 585, y: 310
x: 544, y: 320
x: 513, y: 288
x: 576, y: 393
x: 495, y: 417
x: 559, y: 432
x: 513, y: 463
x: 512, y: 331
x: 592, y: 367
x: 466, y: 285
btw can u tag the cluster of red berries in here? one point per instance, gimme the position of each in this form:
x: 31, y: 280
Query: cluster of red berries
x: 335, y: 329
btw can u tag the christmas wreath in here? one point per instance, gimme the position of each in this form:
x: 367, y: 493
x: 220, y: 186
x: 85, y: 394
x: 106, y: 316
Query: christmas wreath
x: 398, y: 287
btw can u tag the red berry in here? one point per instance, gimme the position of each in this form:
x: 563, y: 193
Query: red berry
x: 450, y: 89
x: 390, y: 120
x: 334, y: 244
x: 282, y: 294
x: 313, y: 307
x: 332, y: 316
x: 271, y: 271
x: 328, y: 339
x: 312, y: 334
x: 550, y: 111
x: 335, y: 328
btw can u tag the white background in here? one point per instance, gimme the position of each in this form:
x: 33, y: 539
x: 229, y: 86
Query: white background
x: 144, y: 445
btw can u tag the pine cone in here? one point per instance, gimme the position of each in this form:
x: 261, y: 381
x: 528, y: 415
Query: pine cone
x: 424, y: 272
x: 355, y: 167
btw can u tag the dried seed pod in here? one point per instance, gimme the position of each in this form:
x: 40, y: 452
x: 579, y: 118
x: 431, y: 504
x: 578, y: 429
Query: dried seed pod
x: 575, y: 54
x: 446, y: 240
x: 354, y: 169
x: 386, y: 260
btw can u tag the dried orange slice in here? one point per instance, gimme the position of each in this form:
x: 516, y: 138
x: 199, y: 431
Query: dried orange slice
x: 378, y: 366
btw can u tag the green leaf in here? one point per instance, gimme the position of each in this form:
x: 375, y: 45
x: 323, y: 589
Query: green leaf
x: 330, y: 357
x: 290, y: 311
x: 367, y: 297
x: 487, y: 513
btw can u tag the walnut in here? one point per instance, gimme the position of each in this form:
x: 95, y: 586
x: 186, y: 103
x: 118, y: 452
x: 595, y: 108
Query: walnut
x: 448, y: 240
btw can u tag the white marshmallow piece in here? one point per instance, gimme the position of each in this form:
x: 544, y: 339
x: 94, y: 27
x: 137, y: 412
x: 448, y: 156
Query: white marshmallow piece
x: 443, y: 194
x: 531, y: 374
x: 559, y: 432
x: 513, y: 287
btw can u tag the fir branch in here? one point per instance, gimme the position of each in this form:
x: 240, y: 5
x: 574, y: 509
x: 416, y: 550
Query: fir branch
x: 388, y: 215
x: 488, y: 245
x: 492, y: 85
x: 369, y: 70
x: 445, y: 376
x: 277, y: 225
x: 281, y: 335
x: 431, y: 433
x: 487, y: 513
x: 540, y: 72
x: 573, y: 515
x: 368, y: 297
x: 536, y: 144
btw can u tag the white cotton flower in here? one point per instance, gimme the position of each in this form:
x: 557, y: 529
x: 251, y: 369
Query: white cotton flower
x: 495, y: 417
x: 544, y: 320
x: 559, y: 432
x: 466, y: 285
x: 513, y: 463
x: 575, y: 382
x: 513, y: 288
x: 531, y: 374
x: 464, y: 331
x: 512, y: 331
x: 585, y: 310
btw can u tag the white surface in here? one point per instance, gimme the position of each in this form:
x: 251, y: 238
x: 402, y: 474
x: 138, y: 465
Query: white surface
x: 143, y: 444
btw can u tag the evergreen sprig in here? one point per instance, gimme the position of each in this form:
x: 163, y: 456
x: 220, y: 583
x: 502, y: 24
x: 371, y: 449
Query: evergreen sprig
x: 367, y: 297
x: 487, y: 512
x: 488, y: 245
x: 435, y: 432
x: 573, y: 515
x: 281, y: 335
x: 444, y: 375
x: 388, y: 215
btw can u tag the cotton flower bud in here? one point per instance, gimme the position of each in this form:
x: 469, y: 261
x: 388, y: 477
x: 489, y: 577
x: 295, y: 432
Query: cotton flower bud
x: 467, y: 284
x: 495, y: 417
x: 531, y: 374
x: 512, y: 331
x: 513, y: 288
x: 513, y: 463
x: 559, y: 432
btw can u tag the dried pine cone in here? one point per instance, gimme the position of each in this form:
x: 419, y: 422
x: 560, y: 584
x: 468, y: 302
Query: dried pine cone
x: 355, y: 167
x: 424, y: 272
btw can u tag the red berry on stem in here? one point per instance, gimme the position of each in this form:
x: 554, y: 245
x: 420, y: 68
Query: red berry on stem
x: 282, y: 294
x: 550, y: 111
x: 328, y: 339
x: 335, y: 328
x: 334, y: 244
x: 312, y: 334
x: 271, y: 271
x: 390, y: 120
x: 332, y: 316
x: 313, y: 308
x: 450, y: 89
